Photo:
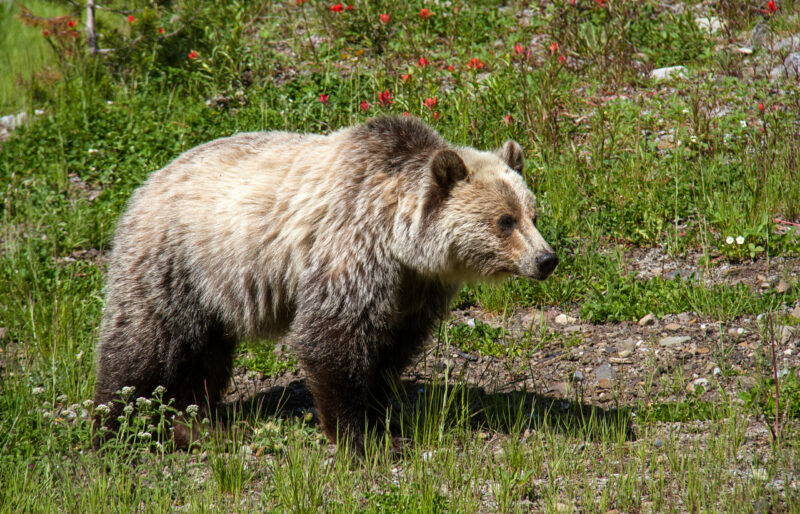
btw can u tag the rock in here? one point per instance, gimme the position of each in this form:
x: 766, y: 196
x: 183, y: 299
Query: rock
x: 626, y: 349
x: 648, y: 320
x: 604, y: 374
x: 784, y: 333
x: 561, y: 388
x: 783, y: 287
x: 563, y: 319
x: 572, y: 329
x: 746, y: 382
x: 674, y: 340
x: 735, y: 332
x: 717, y: 372
x: 709, y: 24
x: 672, y: 327
x: 658, y: 443
x: 790, y: 67
x: 669, y: 72
x: 577, y: 376
x: 761, y: 35
x: 789, y: 43
x: 795, y: 312
x: 684, y: 317
x: 701, y: 382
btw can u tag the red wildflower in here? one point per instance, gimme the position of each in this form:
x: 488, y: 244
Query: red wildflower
x: 423, y: 62
x: 436, y: 115
x: 508, y: 120
x: 405, y: 113
x: 425, y: 14
x: 406, y: 77
x: 431, y: 102
x: 323, y: 98
x: 761, y: 107
x: 300, y: 2
x: 193, y: 54
x: 571, y: 2
x: 475, y: 64
x: 518, y: 49
x: 349, y: 7
x: 45, y: 33
x: 385, y: 98
x: 72, y: 24
x: 131, y: 18
x: 561, y: 59
x: 554, y: 48
x: 337, y: 8
x: 601, y: 3
x: 384, y: 18
x: 771, y: 7
x: 364, y: 106
x: 160, y: 30
x: 451, y: 68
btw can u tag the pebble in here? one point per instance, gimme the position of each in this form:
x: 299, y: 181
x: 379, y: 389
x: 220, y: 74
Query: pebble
x: 669, y: 72
x: 717, y: 371
x: 577, y: 376
x: 701, y: 382
x: 783, y: 287
x: 709, y: 23
x: 625, y: 349
x: 604, y: 374
x: 674, y: 340
x: 648, y: 320
x: 785, y: 333
x: 563, y: 319
x: 673, y: 326
x: 795, y: 312
x: 735, y: 331
x: 658, y: 443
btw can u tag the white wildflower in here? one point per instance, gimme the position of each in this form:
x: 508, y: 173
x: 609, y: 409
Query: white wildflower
x: 92, y: 151
x: 142, y: 402
x: 87, y: 404
x: 739, y: 240
x: 62, y: 398
x: 37, y: 390
x: 103, y: 409
x: 159, y: 390
x: 128, y: 390
x: 729, y: 240
x: 144, y: 435
x: 128, y: 409
x: 743, y: 123
x: 192, y: 410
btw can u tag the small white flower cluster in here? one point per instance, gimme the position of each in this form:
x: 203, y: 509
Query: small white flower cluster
x: 739, y: 240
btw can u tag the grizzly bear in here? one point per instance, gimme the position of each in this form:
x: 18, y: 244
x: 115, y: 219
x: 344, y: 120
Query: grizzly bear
x: 352, y: 244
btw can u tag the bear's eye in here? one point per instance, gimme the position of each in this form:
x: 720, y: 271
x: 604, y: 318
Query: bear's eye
x: 506, y: 223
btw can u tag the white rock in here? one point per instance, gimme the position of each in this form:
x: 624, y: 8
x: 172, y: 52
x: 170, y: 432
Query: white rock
x: 674, y: 340
x: 669, y: 72
x: 790, y: 67
x: 709, y: 24
x: 563, y: 319
x: 648, y: 320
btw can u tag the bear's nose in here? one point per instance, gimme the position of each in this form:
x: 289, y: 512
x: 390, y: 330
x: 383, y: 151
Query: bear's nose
x: 546, y: 264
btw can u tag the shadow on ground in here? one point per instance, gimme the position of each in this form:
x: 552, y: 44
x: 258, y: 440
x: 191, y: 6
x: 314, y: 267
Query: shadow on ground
x: 419, y: 403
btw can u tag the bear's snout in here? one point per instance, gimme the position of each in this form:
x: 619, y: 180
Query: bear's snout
x: 546, y: 264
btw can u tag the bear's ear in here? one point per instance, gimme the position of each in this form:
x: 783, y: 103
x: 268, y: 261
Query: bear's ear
x: 447, y: 168
x: 511, y: 153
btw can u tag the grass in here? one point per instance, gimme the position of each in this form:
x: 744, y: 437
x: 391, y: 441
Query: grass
x: 620, y: 164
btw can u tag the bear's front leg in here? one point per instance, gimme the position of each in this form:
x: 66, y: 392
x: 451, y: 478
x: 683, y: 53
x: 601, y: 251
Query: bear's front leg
x: 339, y: 360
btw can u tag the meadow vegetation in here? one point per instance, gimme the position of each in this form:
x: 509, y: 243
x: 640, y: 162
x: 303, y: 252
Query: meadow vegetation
x: 699, y: 171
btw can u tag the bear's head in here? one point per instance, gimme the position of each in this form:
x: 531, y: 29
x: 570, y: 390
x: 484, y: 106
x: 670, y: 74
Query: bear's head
x: 488, y: 214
